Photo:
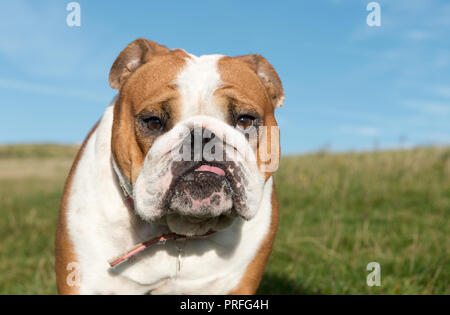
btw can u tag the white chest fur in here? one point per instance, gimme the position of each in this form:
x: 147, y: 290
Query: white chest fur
x: 101, y: 227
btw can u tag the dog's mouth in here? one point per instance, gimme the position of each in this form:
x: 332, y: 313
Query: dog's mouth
x: 203, y: 196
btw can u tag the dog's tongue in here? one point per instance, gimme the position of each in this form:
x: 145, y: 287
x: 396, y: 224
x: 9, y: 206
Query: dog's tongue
x: 212, y: 169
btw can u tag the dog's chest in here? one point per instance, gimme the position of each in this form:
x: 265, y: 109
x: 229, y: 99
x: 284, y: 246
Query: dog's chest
x: 188, y: 266
x: 195, y: 267
x: 212, y: 266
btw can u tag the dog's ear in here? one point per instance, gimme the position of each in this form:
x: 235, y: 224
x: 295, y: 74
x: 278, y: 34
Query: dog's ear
x: 132, y: 57
x: 268, y: 77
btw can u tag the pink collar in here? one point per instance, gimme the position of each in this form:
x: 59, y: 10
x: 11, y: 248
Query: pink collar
x: 160, y: 240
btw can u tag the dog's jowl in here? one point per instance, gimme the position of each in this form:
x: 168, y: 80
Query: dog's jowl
x: 169, y: 193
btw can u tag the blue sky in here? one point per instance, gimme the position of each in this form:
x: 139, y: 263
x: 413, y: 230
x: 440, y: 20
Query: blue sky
x: 348, y: 86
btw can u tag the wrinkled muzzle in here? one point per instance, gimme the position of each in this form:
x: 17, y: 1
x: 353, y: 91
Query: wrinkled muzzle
x: 199, y: 176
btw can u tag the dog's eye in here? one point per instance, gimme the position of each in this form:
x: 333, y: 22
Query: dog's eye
x: 245, y: 122
x: 153, y: 123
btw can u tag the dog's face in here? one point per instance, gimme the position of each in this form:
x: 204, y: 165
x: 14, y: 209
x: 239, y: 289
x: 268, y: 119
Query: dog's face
x: 196, y: 137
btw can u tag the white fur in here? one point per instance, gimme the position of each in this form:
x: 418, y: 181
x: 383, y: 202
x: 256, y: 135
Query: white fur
x: 196, y: 83
x: 101, y: 226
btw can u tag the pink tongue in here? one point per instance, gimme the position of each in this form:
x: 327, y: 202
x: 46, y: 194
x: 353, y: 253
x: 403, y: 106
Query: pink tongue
x: 212, y: 169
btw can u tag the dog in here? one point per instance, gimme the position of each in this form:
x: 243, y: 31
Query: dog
x: 203, y: 213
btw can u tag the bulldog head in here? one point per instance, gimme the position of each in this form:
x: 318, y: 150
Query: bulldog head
x: 195, y: 137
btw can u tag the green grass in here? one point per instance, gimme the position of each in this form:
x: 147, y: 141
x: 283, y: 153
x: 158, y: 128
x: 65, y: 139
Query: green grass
x: 338, y: 213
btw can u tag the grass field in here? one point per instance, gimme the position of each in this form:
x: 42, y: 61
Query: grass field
x: 338, y: 213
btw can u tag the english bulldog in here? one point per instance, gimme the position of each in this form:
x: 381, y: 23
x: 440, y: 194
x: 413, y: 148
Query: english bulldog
x: 181, y: 164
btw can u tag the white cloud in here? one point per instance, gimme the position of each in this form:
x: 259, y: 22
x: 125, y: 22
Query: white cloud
x: 367, y: 131
x: 42, y: 89
x: 438, y: 138
x: 419, y: 35
x: 442, y: 91
x: 429, y: 107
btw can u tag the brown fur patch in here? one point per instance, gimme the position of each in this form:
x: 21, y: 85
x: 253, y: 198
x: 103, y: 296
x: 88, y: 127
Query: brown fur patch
x: 148, y: 89
x: 253, y: 274
x: 64, y: 251
x: 243, y: 84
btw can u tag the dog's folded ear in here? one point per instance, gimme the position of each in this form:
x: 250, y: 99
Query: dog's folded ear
x: 132, y: 57
x: 268, y: 77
